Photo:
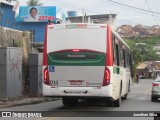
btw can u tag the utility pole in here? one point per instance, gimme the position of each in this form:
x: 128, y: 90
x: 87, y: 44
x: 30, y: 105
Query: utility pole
x: 83, y: 15
x: 85, y: 18
x: 1, y: 13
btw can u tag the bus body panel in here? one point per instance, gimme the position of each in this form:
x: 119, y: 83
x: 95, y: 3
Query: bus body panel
x: 77, y: 75
x: 78, y: 91
x: 76, y: 61
x: 92, y: 90
x: 70, y: 70
x: 122, y: 76
x: 77, y: 38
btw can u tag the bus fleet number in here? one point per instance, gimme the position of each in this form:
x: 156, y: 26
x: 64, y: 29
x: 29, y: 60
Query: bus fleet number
x: 54, y: 82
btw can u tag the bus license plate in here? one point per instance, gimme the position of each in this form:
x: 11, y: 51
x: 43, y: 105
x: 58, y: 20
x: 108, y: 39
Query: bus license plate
x: 75, y: 82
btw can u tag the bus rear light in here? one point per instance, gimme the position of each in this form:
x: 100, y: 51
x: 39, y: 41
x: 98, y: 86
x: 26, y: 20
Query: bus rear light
x: 46, y: 76
x: 154, y: 84
x: 106, y: 79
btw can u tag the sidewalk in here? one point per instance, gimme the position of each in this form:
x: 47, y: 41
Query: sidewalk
x: 25, y: 101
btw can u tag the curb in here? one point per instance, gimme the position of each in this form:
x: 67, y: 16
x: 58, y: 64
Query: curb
x: 28, y: 101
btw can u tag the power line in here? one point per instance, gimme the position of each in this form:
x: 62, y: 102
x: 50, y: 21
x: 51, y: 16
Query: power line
x: 130, y: 6
x: 120, y: 5
x: 126, y: 8
x: 151, y: 12
x: 74, y: 6
x: 94, y: 12
x: 126, y: 21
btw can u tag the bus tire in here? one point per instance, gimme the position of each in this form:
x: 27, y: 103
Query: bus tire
x: 125, y: 96
x: 129, y: 87
x: 117, y: 103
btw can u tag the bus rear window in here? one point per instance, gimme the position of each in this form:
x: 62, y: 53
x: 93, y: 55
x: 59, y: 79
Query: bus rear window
x: 75, y: 56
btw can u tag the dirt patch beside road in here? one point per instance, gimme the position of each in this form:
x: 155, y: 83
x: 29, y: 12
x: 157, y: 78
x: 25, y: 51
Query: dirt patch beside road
x: 25, y: 101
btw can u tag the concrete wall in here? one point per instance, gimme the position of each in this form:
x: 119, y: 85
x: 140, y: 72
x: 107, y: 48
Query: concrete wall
x: 12, y: 38
x: 15, y: 38
x: 11, y: 72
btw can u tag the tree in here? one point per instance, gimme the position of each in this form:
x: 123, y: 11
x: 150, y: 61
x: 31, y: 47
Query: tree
x: 148, y: 53
x: 135, y: 52
x: 34, y: 3
x: 136, y: 56
x: 151, y: 56
x: 142, y: 52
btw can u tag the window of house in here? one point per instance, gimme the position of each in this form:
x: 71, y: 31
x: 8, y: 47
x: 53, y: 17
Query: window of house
x: 32, y: 35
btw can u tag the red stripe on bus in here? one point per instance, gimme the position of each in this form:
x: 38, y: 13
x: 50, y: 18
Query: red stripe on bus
x: 45, y: 58
x: 109, y: 53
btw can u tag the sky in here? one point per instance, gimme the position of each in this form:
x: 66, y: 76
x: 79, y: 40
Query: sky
x: 125, y: 15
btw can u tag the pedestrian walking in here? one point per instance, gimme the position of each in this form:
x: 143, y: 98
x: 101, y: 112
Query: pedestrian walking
x: 137, y: 78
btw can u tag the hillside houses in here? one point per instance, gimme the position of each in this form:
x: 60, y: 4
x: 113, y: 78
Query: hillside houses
x: 138, y: 31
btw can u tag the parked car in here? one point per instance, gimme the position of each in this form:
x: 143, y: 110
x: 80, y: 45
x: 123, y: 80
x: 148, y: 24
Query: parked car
x: 155, y: 90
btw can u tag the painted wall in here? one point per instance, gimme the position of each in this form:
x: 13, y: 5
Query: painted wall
x: 8, y: 20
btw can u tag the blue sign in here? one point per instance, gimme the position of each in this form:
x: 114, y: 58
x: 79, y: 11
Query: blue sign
x: 36, y: 14
x: 51, y: 69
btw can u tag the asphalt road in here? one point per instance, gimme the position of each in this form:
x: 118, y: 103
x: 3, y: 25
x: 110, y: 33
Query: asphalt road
x: 139, y: 101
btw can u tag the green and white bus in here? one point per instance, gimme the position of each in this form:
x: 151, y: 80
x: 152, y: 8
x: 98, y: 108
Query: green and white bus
x: 83, y: 61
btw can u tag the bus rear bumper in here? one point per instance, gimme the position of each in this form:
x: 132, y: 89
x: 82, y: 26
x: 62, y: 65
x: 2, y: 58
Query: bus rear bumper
x: 105, y: 91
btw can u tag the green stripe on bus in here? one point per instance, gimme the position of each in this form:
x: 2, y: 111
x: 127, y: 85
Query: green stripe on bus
x: 116, y: 70
x: 98, y: 61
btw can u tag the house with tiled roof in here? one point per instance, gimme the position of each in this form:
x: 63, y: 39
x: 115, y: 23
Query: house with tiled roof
x: 142, y: 70
x: 149, y: 69
x: 156, y: 68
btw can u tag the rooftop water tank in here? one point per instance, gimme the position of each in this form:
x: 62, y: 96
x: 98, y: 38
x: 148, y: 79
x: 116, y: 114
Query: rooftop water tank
x: 72, y: 13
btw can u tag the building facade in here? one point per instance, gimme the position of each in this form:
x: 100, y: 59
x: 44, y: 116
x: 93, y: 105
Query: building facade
x: 37, y: 29
x: 98, y: 19
x: 7, y: 20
